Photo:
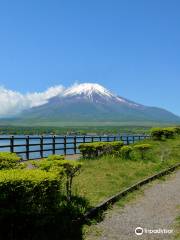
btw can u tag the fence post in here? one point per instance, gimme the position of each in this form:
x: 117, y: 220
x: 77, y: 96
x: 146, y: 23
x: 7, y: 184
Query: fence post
x: 100, y: 139
x: 12, y: 144
x: 54, y: 144
x: 127, y: 140
x: 27, y: 147
x: 133, y: 139
x: 41, y: 146
x: 114, y: 138
x: 92, y: 139
x: 64, y: 145
x: 107, y: 138
x: 75, y: 145
x: 84, y: 139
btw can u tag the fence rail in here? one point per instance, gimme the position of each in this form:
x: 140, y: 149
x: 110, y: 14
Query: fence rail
x: 34, y: 147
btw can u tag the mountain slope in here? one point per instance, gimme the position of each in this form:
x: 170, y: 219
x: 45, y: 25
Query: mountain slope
x: 94, y: 103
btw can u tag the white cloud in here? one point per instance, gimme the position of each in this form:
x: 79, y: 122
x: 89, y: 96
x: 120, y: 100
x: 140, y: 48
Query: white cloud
x: 12, y: 102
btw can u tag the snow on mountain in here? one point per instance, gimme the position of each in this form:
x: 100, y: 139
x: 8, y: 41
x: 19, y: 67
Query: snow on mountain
x: 91, y: 91
x: 88, y: 89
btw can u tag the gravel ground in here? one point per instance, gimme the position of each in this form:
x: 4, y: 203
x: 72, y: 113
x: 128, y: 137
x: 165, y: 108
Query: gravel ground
x: 156, y: 208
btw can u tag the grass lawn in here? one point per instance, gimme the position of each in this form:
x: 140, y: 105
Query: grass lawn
x: 177, y: 226
x: 108, y: 175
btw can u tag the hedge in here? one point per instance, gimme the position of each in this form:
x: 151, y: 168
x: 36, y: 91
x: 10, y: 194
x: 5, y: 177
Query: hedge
x: 28, y: 192
x: 68, y: 168
x: 90, y: 150
x: 159, y: 133
x: 126, y: 152
x: 177, y: 130
x: 142, y: 149
x: 9, y: 161
x: 168, y: 132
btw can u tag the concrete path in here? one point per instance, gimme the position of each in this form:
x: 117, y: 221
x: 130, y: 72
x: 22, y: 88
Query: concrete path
x: 156, y: 209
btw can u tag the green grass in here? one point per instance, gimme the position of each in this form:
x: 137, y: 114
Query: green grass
x: 177, y: 236
x: 177, y: 226
x: 108, y: 175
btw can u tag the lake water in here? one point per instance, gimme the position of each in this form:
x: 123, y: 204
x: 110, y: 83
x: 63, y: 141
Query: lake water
x: 48, y: 141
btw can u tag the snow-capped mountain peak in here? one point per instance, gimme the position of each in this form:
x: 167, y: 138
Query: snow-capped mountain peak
x: 88, y: 89
x: 91, y: 102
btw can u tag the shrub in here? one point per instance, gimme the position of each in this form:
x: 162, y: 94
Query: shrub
x: 157, y: 133
x: 90, y: 150
x: 177, y: 130
x: 168, y: 132
x: 28, y: 191
x: 142, y: 149
x: 69, y: 168
x: 9, y: 160
x: 47, y: 165
x: 126, y: 151
x: 55, y: 157
x: 115, y: 146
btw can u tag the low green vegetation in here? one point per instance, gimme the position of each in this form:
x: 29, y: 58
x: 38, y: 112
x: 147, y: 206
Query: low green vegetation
x: 106, y: 175
x: 10, y: 160
x: 92, y: 150
x: 74, y: 130
x: 177, y: 228
x: 34, y: 200
x: 57, y: 164
x: 164, y: 133
x: 142, y: 149
x: 42, y: 199
x: 126, y: 152
x: 28, y: 192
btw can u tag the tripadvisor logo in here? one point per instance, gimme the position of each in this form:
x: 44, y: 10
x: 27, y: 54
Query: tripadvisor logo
x: 139, y: 231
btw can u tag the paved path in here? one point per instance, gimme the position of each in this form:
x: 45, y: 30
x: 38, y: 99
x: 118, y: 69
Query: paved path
x: 156, y: 208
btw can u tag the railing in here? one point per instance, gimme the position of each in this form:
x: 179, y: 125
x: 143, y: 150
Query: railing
x: 34, y: 147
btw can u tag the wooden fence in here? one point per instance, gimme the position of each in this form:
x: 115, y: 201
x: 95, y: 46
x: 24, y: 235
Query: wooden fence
x: 33, y: 147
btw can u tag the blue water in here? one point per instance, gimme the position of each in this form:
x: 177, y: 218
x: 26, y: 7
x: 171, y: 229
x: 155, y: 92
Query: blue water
x: 59, y: 144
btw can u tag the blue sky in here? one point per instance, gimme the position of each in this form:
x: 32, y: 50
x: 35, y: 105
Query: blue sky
x: 131, y: 47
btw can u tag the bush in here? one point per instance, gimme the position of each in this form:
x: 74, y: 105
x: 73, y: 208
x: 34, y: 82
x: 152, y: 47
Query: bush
x: 28, y: 191
x: 47, y: 165
x: 168, y: 132
x: 55, y: 157
x: 90, y: 150
x: 126, y: 151
x: 177, y: 130
x: 69, y: 168
x: 9, y: 160
x: 157, y: 133
x: 142, y: 149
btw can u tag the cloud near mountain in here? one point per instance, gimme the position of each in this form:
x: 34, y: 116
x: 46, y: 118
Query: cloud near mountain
x: 13, y: 102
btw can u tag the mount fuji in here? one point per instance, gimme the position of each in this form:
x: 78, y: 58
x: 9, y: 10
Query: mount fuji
x: 91, y: 102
